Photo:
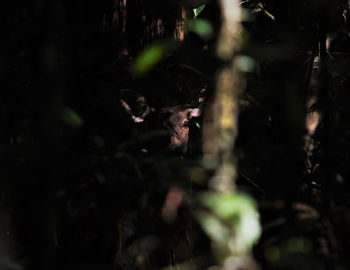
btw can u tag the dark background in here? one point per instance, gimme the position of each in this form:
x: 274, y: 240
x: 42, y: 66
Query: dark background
x: 74, y: 167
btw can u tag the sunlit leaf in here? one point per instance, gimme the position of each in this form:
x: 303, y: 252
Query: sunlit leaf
x: 148, y: 58
x: 244, y: 63
x: 198, y: 10
x: 201, y: 27
x: 238, y: 210
x: 228, y: 205
x: 248, y: 228
x: 71, y: 118
x: 214, y: 228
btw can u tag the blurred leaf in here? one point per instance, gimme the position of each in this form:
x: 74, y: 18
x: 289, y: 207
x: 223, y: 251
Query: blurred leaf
x: 4, y: 262
x: 201, y: 27
x: 71, y: 118
x: 292, y: 245
x: 245, y: 63
x: 228, y: 205
x: 238, y: 210
x: 148, y: 58
x: 296, y: 245
x: 198, y: 10
x: 214, y: 228
x: 249, y: 228
x: 294, y: 253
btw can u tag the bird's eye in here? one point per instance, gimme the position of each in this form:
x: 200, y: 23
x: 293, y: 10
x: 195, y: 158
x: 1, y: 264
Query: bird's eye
x: 186, y: 124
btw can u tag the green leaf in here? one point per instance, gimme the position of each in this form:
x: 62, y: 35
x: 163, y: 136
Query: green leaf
x: 201, y: 27
x: 148, y: 58
x: 71, y: 118
x: 248, y: 228
x: 244, y: 63
x: 198, y: 10
x: 287, y: 248
x: 213, y: 227
x: 228, y: 205
x: 239, y: 211
x: 297, y: 245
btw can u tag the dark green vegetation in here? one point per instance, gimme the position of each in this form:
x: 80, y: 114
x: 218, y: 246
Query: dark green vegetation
x: 83, y: 187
